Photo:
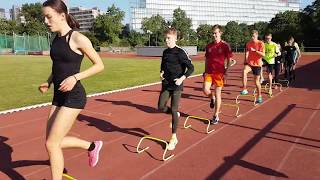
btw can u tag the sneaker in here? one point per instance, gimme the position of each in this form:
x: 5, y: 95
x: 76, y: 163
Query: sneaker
x: 214, y: 120
x: 178, y: 114
x: 172, y: 144
x: 212, y: 102
x: 94, y: 154
x: 244, y: 92
x: 259, y: 101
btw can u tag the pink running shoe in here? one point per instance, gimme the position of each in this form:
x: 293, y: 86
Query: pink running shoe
x: 94, y: 154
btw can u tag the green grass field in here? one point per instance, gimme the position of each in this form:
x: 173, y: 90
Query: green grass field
x: 20, y: 77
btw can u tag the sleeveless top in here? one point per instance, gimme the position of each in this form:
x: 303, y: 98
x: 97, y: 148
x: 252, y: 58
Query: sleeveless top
x: 66, y: 62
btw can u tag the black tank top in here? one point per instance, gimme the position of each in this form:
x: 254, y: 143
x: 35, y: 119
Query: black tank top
x: 65, y: 61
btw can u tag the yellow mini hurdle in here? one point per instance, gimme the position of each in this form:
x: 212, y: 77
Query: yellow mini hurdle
x: 200, y: 118
x: 234, y: 106
x: 164, y: 158
x: 68, y: 176
x: 251, y: 96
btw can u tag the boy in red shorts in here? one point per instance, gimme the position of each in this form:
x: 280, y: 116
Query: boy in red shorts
x: 216, y: 53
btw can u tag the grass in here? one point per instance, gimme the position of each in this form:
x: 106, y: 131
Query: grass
x: 20, y: 77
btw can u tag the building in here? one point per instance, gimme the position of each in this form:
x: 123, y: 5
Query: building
x: 2, y: 13
x: 85, y: 17
x: 211, y: 11
x: 15, y: 14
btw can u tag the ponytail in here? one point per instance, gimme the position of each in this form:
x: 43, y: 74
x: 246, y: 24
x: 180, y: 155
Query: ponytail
x: 72, y: 22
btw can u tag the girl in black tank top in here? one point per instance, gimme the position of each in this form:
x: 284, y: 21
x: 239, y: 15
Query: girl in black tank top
x: 67, y: 51
x: 66, y: 63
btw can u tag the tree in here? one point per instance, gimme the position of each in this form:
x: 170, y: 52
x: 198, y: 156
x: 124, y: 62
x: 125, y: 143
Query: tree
x: 204, y: 32
x: 34, y: 27
x: 10, y: 26
x: 261, y: 27
x: 136, y: 39
x: 233, y: 34
x: 310, y: 24
x: 284, y: 25
x: 34, y: 19
x: 32, y: 11
x: 246, y: 35
x: 182, y: 23
x: 108, y: 27
x: 154, y: 27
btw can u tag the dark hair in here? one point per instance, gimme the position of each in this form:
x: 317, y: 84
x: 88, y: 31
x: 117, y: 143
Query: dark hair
x: 60, y: 7
x: 254, y: 32
x: 290, y: 37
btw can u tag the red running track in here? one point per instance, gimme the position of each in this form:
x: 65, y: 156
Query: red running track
x: 276, y: 140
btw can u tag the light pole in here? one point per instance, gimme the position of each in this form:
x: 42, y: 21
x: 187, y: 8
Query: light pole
x: 149, y: 32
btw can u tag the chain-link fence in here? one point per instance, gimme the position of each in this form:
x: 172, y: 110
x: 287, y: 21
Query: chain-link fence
x: 23, y: 44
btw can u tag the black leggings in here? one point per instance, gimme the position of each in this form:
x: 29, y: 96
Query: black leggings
x: 277, y: 69
x: 162, y: 105
x: 290, y: 72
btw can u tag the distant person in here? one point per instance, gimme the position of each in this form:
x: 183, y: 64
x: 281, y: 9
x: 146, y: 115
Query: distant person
x: 67, y: 51
x: 215, y: 71
x: 278, y: 66
x: 253, y: 62
x: 175, y: 67
x: 271, y: 52
x: 292, y: 56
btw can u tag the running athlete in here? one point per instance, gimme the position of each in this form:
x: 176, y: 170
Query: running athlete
x: 278, y: 65
x: 271, y: 51
x: 253, y: 62
x: 292, y: 55
x: 67, y: 51
x: 215, y: 71
x: 176, y: 66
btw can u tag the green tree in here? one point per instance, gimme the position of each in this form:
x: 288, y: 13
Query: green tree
x: 154, y: 27
x: 183, y: 24
x: 233, y: 34
x: 204, y: 32
x: 261, y: 27
x: 108, y: 27
x: 310, y: 24
x: 284, y: 25
x: 246, y: 36
x: 34, y: 27
x: 32, y: 11
x: 10, y: 26
x: 34, y: 19
x: 137, y: 39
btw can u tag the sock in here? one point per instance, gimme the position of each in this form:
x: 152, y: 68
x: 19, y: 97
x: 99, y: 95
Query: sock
x: 91, y: 147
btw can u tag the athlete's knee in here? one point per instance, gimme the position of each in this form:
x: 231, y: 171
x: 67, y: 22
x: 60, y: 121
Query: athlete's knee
x: 52, y: 145
x: 162, y: 108
x: 206, y: 91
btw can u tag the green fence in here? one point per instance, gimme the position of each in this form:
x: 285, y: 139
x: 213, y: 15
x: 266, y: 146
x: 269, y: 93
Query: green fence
x: 23, y: 43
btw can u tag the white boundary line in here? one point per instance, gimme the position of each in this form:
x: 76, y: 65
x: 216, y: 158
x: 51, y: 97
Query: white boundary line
x: 91, y: 95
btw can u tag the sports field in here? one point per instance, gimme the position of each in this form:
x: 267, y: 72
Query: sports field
x: 278, y: 139
x: 20, y: 77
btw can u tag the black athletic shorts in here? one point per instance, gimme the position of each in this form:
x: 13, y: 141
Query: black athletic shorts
x: 76, y: 98
x: 270, y: 68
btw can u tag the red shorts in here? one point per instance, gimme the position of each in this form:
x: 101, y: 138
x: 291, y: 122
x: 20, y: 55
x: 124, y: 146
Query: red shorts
x: 216, y: 79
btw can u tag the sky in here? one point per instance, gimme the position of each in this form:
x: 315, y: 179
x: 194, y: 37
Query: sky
x: 124, y: 5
